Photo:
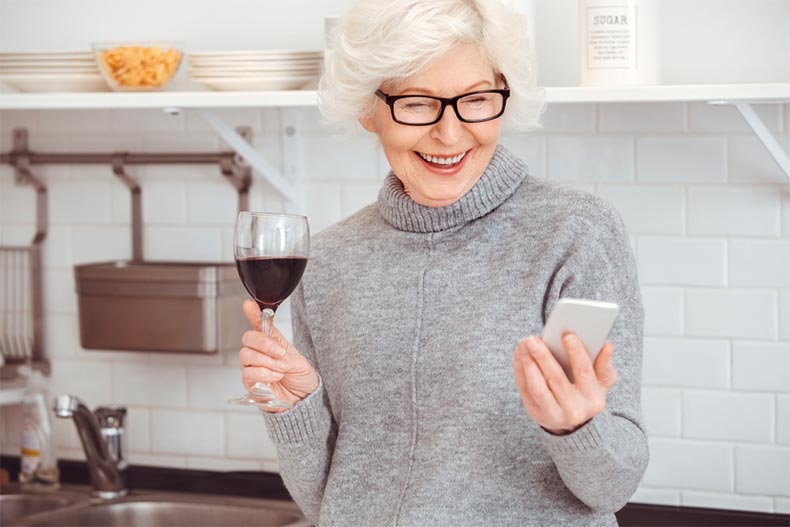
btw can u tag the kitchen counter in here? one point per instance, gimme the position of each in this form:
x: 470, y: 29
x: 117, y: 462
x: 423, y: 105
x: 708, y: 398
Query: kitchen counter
x: 269, y: 485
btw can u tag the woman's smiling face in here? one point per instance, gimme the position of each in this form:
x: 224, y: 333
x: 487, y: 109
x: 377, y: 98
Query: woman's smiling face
x: 439, y: 163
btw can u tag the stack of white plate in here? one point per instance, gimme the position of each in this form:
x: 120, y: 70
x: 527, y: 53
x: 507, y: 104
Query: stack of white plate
x: 51, y: 71
x: 255, y: 70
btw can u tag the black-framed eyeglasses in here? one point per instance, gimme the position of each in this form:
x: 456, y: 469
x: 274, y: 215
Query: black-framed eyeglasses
x: 423, y: 110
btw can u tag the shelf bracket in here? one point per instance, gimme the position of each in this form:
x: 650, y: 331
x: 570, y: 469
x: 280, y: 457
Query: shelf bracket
x: 292, y: 155
x: 779, y: 155
x: 251, y: 156
x: 238, y: 172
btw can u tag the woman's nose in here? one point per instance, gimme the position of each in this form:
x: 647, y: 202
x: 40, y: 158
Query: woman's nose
x: 448, y: 129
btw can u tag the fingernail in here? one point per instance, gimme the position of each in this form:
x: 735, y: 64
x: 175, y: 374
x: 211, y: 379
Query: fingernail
x: 532, y: 343
x: 570, y: 338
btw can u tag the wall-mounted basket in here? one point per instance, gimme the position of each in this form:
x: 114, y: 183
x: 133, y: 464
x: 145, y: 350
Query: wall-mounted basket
x: 21, y: 283
x: 162, y: 306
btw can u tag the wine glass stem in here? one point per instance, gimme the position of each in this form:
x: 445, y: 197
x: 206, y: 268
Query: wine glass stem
x: 266, y: 321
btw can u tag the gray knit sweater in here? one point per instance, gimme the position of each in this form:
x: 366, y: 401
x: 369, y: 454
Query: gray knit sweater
x: 411, y: 316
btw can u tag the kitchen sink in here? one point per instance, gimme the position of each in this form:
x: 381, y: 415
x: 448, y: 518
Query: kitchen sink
x: 147, y: 508
x: 15, y: 506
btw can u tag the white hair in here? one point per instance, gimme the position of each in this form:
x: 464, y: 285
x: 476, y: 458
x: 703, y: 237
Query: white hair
x: 380, y: 41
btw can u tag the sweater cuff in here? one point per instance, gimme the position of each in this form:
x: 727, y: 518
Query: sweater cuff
x: 308, y: 418
x: 591, y: 436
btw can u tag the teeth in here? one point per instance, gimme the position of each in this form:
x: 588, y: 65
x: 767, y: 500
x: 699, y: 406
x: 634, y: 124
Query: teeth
x: 443, y: 160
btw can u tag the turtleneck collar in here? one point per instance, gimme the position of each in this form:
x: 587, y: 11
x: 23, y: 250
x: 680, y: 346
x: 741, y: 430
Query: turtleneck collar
x: 500, y: 179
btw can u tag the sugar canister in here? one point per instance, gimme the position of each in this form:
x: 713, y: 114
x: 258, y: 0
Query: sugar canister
x: 619, y: 42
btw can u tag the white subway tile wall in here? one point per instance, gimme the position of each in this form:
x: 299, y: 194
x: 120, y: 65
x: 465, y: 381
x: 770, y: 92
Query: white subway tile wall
x: 750, y: 162
x: 731, y: 416
x: 642, y: 118
x: 761, y: 366
x: 731, y: 313
x: 690, y: 464
x: 691, y: 363
x: 783, y: 419
x: 762, y: 470
x: 758, y: 263
x: 569, y: 118
x: 786, y: 210
x: 680, y: 159
x: 682, y: 261
x: 734, y: 210
x: 594, y: 158
x: 662, y: 410
x: 664, y: 310
x: 707, y: 212
x: 648, y: 209
x: 740, y: 502
x: 188, y: 432
x: 784, y: 315
x: 718, y: 119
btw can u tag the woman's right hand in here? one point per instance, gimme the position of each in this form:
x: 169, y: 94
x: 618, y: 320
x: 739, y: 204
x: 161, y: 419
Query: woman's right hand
x: 274, y: 360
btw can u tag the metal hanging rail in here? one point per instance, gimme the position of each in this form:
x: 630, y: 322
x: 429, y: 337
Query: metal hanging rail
x: 229, y: 159
x: 233, y: 168
x: 129, y: 158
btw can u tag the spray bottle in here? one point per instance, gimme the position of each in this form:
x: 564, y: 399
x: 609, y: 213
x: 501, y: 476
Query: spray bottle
x: 39, y: 468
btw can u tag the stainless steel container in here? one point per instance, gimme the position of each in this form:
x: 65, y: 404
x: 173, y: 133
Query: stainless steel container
x: 159, y: 306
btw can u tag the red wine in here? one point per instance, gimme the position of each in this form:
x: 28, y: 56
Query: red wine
x: 271, y: 279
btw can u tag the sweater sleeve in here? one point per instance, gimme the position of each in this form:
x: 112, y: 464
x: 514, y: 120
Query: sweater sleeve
x: 305, y: 434
x: 603, y: 462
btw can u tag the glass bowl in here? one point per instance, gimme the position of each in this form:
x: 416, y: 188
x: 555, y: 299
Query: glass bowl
x: 138, y: 66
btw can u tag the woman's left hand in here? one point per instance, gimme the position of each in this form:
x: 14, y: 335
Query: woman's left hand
x: 550, y: 398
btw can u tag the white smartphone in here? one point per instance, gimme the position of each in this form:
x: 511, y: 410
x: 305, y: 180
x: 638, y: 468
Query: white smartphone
x: 591, y: 320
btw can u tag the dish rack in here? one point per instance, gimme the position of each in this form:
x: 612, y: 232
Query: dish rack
x: 21, y: 283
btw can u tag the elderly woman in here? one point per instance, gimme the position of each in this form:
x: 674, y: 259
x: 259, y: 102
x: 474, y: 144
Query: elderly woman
x: 420, y: 397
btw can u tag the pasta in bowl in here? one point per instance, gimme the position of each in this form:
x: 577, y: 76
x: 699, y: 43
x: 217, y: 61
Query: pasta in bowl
x: 138, y: 66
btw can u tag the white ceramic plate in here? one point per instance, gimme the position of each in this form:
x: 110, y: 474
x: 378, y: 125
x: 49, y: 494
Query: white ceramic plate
x: 50, y: 55
x: 56, y: 83
x: 252, y: 60
x: 258, y: 68
x: 24, y: 70
x: 253, y: 83
x: 258, y: 53
x: 48, y: 61
x: 262, y: 75
x: 254, y: 63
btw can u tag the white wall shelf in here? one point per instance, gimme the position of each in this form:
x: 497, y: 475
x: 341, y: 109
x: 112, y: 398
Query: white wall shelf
x: 753, y: 93
x: 777, y: 92
x: 742, y: 96
x: 156, y: 100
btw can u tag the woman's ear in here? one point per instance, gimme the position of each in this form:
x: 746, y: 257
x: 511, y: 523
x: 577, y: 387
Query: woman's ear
x: 368, y: 123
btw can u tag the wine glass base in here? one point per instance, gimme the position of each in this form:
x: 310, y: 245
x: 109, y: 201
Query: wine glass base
x: 261, y: 402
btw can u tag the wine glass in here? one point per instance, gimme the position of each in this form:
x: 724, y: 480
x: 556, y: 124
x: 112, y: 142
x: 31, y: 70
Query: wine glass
x: 271, y: 255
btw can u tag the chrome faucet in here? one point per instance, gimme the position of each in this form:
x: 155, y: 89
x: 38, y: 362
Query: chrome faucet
x: 101, y: 434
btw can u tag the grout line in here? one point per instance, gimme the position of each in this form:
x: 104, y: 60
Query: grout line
x: 596, y: 118
x: 684, y: 212
x: 734, y: 469
x: 731, y: 353
x: 682, y: 412
x: 775, y: 420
